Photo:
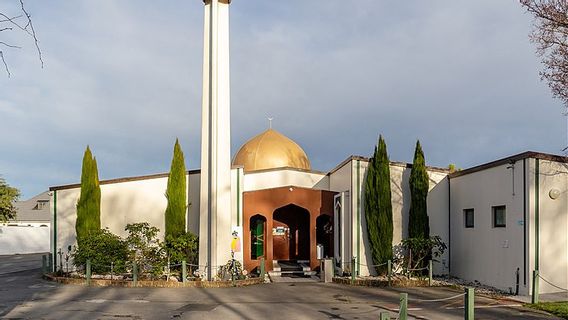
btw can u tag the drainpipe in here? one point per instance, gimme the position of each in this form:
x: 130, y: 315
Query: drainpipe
x: 536, y: 215
x: 54, y: 230
x: 358, y: 215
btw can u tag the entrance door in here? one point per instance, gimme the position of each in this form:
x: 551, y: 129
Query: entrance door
x: 291, y: 233
x: 257, y: 224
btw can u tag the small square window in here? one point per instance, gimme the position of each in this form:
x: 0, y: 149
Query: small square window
x: 499, y: 217
x: 468, y: 218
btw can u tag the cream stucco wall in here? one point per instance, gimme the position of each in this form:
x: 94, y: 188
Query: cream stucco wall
x: 484, y: 253
x: 285, y: 177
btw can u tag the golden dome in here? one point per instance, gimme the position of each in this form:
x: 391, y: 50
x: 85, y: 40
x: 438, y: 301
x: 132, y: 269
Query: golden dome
x: 269, y: 150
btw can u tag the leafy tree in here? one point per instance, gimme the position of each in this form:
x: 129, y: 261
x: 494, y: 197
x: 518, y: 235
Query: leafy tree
x: 378, y: 206
x: 550, y: 35
x: 144, y: 248
x: 103, y: 248
x: 418, y: 221
x: 176, y: 193
x: 89, y: 205
x: 8, y: 195
x: 183, y: 247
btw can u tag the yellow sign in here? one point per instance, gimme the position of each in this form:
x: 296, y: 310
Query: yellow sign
x: 236, y: 244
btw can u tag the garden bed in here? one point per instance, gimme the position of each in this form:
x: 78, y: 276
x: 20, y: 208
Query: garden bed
x: 154, y: 283
x: 382, y: 281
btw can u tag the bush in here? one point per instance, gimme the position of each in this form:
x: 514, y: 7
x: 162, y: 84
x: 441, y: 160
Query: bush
x: 144, y: 248
x: 103, y: 248
x: 417, y: 250
x: 183, y: 247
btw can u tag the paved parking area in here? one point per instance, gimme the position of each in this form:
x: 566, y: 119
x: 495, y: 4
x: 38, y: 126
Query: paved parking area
x: 24, y: 295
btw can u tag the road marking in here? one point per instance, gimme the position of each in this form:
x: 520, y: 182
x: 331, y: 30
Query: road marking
x: 115, y: 301
x: 487, y: 307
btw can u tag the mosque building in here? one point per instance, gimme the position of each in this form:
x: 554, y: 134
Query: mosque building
x: 498, y: 219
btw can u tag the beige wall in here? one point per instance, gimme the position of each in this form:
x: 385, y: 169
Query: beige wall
x: 553, y: 218
x: 285, y: 177
x: 484, y: 253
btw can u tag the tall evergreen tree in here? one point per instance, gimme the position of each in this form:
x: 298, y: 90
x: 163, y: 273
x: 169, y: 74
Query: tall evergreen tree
x: 418, y: 221
x: 176, y: 194
x: 378, y: 206
x: 89, y: 205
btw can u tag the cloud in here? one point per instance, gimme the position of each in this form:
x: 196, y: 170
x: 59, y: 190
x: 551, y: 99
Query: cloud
x: 125, y: 78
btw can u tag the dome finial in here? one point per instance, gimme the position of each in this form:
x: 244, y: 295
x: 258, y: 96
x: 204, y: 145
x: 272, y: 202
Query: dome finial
x: 270, y: 122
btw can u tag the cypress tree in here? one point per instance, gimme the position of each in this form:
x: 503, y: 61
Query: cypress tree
x: 89, y: 205
x: 418, y: 221
x: 378, y: 206
x: 176, y: 193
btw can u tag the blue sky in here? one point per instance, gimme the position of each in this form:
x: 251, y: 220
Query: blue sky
x: 125, y: 78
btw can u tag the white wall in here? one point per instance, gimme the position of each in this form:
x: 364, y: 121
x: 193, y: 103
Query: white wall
x: 484, y: 253
x: 553, y: 217
x: 285, y: 177
x: 22, y: 240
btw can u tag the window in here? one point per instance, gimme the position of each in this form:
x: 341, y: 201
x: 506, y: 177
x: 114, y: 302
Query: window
x: 499, y: 217
x: 468, y: 218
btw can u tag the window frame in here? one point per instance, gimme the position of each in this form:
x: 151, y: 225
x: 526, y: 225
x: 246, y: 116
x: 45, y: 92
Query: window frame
x: 494, y: 210
x: 465, y: 220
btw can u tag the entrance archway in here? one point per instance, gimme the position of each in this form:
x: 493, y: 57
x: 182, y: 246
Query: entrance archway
x: 291, y: 233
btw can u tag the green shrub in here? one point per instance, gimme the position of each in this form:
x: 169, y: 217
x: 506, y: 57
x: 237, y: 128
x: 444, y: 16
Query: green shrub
x: 183, y: 247
x: 103, y: 248
x: 89, y: 205
x: 144, y: 248
x: 418, y: 250
x: 176, y: 194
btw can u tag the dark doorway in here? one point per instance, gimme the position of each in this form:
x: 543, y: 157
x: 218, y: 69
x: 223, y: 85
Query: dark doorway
x: 257, y: 236
x: 324, y: 234
x: 291, y: 233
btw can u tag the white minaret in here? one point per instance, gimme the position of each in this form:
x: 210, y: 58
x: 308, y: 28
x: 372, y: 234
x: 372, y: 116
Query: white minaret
x: 215, y: 203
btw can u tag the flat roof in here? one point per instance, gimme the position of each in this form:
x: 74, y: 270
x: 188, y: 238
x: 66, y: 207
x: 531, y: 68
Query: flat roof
x: 510, y: 159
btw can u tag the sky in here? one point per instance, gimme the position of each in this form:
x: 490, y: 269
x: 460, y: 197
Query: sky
x: 124, y: 77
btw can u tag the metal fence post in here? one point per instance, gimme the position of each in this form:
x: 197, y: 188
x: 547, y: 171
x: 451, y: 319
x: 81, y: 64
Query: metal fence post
x: 389, y: 267
x: 352, y: 270
x: 403, y: 311
x: 184, y: 272
x: 262, y: 271
x: 469, y: 304
x: 134, y: 274
x: 88, y: 272
x: 430, y: 273
x: 384, y: 316
x: 44, y: 263
x: 535, y: 291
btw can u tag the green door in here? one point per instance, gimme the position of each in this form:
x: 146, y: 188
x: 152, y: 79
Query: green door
x: 257, y: 245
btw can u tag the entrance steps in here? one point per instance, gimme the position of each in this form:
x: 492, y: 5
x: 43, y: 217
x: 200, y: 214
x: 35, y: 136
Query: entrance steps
x: 291, y: 268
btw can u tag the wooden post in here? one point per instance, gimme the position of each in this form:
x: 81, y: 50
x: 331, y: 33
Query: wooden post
x: 469, y: 302
x: 430, y: 273
x: 353, y: 270
x: 384, y: 316
x: 88, y: 272
x: 134, y: 274
x: 403, y: 311
x: 184, y: 272
x: 535, y: 291
x: 389, y: 267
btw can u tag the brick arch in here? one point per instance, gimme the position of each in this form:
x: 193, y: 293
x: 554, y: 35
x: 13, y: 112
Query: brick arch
x: 266, y: 202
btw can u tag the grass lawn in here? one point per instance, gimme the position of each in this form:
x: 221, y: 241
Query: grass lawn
x: 557, y: 308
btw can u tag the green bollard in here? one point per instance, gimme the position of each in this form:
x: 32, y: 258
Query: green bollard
x: 353, y: 270
x: 44, y: 263
x: 389, y: 267
x: 403, y: 313
x: 384, y: 316
x: 262, y: 271
x: 88, y: 272
x: 469, y: 304
x: 535, y: 291
x: 134, y: 274
x: 430, y: 273
x: 184, y: 272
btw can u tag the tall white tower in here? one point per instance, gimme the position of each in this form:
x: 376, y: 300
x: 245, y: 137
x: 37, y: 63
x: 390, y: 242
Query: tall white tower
x: 215, y: 202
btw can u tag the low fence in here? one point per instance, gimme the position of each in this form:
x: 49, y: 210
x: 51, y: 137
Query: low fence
x: 468, y: 303
x: 536, y: 284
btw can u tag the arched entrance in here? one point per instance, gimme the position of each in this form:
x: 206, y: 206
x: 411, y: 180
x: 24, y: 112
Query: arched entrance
x: 324, y: 234
x: 291, y: 233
